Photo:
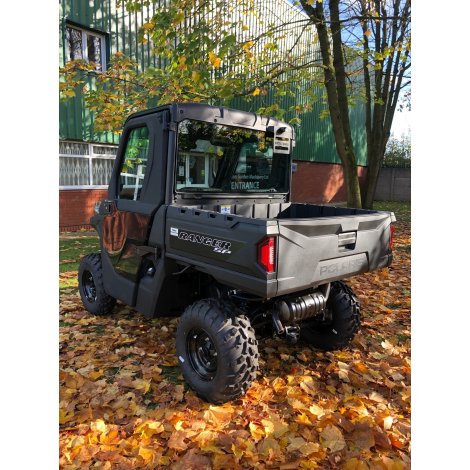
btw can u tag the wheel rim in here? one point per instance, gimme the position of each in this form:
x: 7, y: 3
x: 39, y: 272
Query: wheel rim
x: 202, y: 353
x: 88, y: 286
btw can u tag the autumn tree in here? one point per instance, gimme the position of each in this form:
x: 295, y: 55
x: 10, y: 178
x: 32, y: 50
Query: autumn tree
x: 369, y: 39
x: 210, y: 51
x: 348, y: 52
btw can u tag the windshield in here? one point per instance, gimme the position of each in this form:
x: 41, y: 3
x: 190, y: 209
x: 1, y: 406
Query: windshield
x: 218, y: 158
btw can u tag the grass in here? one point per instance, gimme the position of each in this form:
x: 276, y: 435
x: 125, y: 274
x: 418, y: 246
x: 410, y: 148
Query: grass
x: 402, y: 210
x: 72, y: 249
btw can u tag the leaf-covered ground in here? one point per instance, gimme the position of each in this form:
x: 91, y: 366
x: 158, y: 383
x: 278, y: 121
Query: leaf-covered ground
x: 124, y: 404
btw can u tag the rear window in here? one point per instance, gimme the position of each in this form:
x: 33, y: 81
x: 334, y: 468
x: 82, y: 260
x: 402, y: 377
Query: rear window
x: 217, y: 158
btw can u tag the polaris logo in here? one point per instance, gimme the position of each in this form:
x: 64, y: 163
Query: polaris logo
x: 219, y: 246
x: 342, y: 267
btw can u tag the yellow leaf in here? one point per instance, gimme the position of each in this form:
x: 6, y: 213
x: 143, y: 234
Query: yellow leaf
x: 316, y: 410
x: 355, y: 464
x: 256, y: 432
x: 268, y: 426
x: 274, y: 426
x: 207, y: 442
x: 278, y: 384
x: 246, y: 47
x: 214, y: 60
x: 360, y: 367
x: 196, y: 76
x: 99, y: 425
x: 219, y: 415
x: 179, y: 426
x: 147, y: 454
x: 65, y: 416
x: 237, y: 452
x: 140, y: 384
x: 256, y: 92
x: 148, y: 26
x: 164, y: 460
x: 96, y: 374
x: 297, y: 404
x: 149, y: 428
x: 332, y: 438
x: 302, y: 418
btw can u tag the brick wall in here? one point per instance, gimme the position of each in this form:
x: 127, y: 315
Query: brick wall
x: 320, y: 182
x: 76, y: 206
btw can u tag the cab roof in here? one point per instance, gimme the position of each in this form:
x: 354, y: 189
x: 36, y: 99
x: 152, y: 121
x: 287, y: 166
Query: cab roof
x: 218, y: 114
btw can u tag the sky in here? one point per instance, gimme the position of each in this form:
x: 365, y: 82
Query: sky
x: 401, y: 123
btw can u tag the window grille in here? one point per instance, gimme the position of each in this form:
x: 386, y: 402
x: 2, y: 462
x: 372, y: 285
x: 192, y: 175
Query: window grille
x: 84, y: 165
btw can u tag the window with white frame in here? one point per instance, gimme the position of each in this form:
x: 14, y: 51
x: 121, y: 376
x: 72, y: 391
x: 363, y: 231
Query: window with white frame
x: 85, y: 165
x: 86, y: 45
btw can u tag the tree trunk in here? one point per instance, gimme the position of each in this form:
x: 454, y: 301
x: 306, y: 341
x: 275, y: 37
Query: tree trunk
x: 373, y: 171
x: 335, y: 78
x: 353, y: 189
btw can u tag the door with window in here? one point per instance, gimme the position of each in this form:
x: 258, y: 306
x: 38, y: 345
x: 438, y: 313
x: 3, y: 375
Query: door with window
x: 126, y: 228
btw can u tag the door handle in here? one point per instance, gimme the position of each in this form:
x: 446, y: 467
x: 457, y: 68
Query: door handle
x: 105, y: 207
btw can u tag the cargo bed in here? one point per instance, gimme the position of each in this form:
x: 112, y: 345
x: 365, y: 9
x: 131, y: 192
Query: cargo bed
x: 316, y: 244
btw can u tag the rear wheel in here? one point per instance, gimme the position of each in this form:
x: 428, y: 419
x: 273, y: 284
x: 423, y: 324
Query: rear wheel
x: 344, y: 323
x: 91, y: 286
x: 217, y: 351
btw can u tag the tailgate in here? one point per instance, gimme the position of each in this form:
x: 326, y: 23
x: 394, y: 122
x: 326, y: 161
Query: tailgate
x: 320, y: 250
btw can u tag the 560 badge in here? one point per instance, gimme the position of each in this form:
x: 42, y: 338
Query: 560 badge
x: 220, y: 246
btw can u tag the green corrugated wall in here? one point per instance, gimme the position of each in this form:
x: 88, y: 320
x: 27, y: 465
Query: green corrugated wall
x: 315, y: 141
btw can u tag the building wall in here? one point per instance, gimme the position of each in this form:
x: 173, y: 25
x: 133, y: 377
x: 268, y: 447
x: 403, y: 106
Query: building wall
x: 321, y: 182
x: 77, y: 206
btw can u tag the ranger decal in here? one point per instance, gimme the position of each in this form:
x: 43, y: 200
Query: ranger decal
x: 220, y: 246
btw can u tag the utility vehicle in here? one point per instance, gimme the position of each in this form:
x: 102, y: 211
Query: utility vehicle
x: 198, y: 220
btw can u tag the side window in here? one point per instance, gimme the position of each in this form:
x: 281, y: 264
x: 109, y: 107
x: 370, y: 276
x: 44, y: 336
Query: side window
x: 134, y: 164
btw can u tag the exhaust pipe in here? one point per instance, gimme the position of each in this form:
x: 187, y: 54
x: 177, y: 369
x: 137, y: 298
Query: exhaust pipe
x: 301, y: 308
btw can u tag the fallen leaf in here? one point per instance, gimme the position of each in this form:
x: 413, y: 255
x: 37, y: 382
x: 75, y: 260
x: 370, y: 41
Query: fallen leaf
x: 332, y: 438
x: 176, y: 441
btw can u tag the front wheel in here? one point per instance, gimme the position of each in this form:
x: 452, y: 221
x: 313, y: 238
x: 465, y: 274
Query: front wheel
x: 217, y: 351
x: 344, y: 324
x: 91, y: 286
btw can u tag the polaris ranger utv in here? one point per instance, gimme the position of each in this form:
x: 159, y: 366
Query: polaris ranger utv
x: 198, y: 218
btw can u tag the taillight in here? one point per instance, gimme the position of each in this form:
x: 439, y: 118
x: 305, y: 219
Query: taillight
x: 267, y: 254
x: 392, y: 231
